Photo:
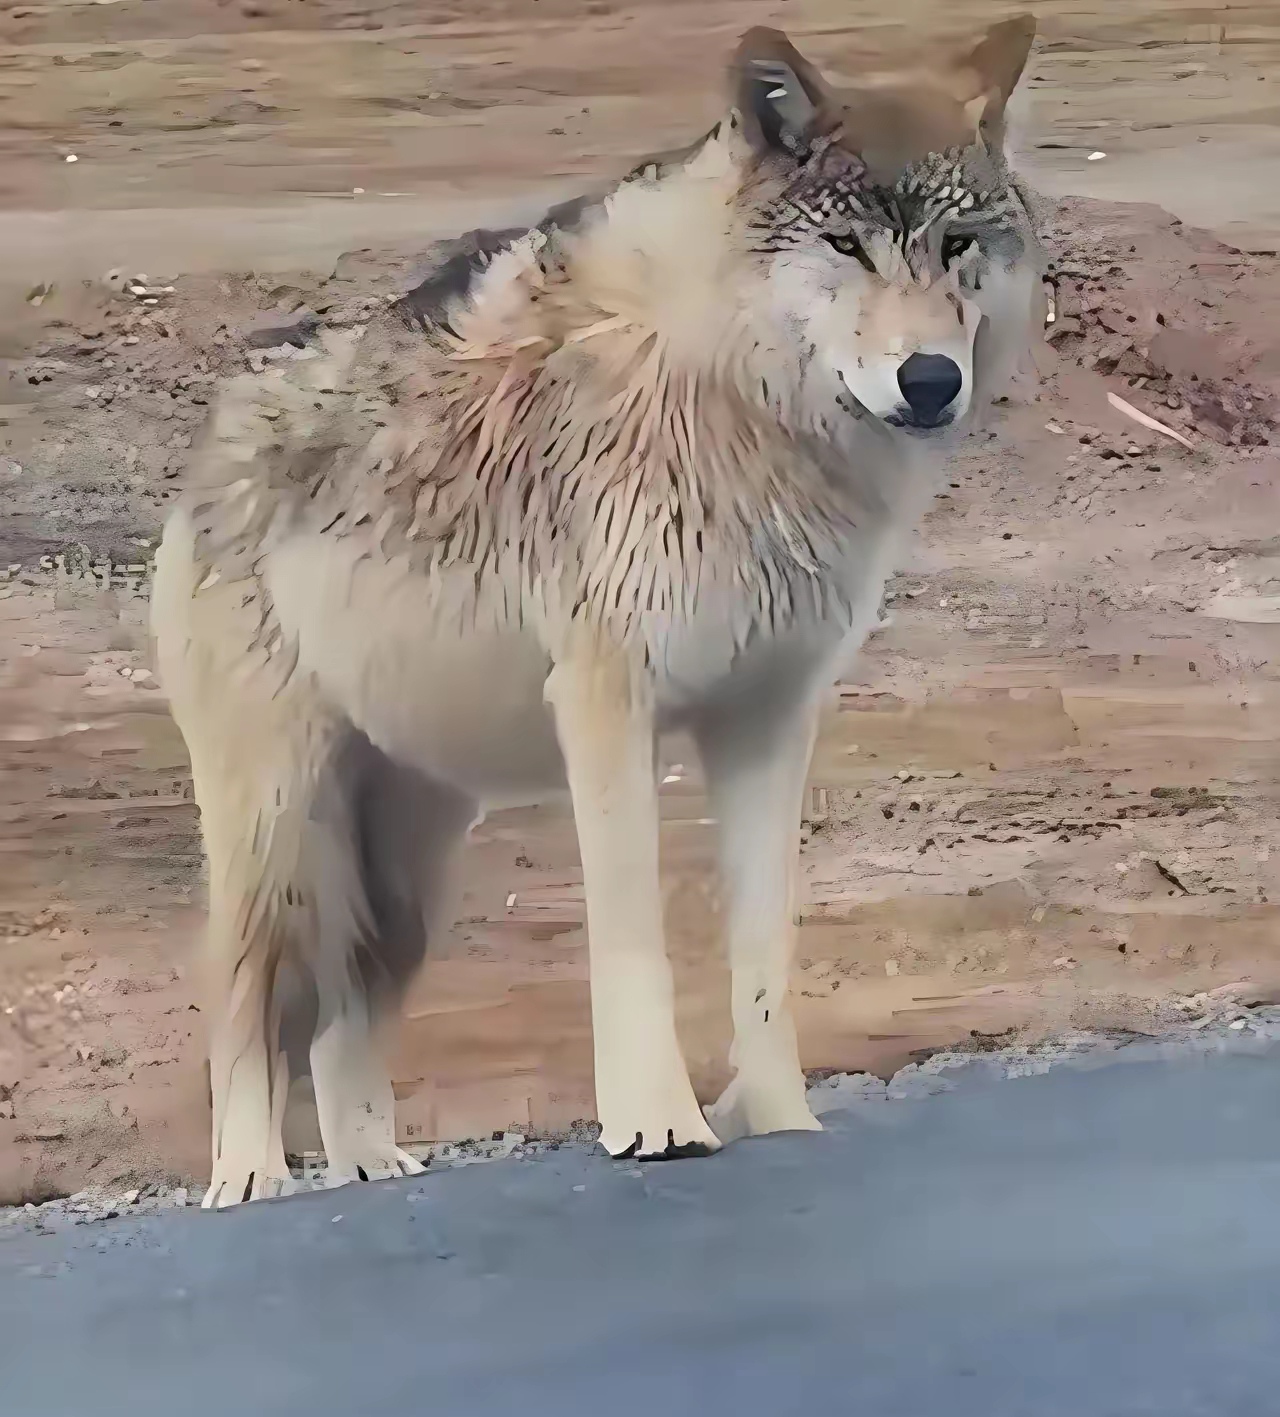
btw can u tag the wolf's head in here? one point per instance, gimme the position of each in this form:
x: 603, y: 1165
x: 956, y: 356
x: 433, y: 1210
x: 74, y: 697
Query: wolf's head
x: 869, y: 237
x: 889, y: 228
x: 864, y: 245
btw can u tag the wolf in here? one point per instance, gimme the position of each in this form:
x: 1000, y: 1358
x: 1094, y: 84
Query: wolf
x: 644, y: 467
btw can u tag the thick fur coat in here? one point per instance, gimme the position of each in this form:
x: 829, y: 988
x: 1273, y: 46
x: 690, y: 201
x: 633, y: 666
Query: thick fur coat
x: 645, y: 466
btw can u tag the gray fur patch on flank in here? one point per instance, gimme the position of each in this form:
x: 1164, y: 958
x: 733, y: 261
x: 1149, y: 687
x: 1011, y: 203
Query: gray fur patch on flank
x: 430, y: 302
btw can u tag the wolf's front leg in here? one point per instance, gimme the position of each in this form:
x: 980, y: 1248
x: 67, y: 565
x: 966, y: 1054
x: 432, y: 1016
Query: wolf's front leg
x: 756, y: 762
x: 604, y: 720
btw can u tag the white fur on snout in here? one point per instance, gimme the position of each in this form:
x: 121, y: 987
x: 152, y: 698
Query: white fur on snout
x: 873, y: 379
x: 829, y: 299
x: 870, y: 368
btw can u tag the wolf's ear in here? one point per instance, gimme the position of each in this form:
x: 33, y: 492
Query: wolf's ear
x: 779, y: 94
x: 984, y: 78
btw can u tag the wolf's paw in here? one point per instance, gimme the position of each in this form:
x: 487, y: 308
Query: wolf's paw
x: 375, y: 1164
x: 233, y: 1184
x: 653, y: 1131
x: 748, y: 1108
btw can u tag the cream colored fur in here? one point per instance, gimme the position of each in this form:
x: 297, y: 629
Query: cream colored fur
x: 634, y: 480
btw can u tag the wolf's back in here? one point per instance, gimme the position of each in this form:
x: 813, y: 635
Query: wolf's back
x: 268, y: 425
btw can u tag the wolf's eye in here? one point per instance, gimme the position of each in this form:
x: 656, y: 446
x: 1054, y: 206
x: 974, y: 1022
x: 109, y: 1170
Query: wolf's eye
x: 850, y: 246
x: 953, y: 248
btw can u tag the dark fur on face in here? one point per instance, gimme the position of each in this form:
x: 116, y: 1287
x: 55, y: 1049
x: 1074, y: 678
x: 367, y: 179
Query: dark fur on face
x: 957, y: 206
x: 922, y: 165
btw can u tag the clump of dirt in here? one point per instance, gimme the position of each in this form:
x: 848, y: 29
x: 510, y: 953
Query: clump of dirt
x: 1182, y: 322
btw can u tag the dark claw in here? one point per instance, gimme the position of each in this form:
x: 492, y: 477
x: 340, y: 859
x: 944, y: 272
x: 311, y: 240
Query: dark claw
x: 683, y: 1151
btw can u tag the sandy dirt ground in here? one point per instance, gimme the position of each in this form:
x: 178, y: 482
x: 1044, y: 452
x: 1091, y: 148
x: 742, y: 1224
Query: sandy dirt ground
x: 1045, y: 800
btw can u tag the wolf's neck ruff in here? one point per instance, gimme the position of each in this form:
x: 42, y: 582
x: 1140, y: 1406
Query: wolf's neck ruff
x: 586, y: 464
x: 694, y: 396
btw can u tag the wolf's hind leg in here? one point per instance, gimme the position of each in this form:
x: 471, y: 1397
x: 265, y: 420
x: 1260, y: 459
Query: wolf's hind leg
x: 255, y: 899
x: 354, y: 1099
x: 260, y: 742
x: 249, y: 1081
x: 406, y: 829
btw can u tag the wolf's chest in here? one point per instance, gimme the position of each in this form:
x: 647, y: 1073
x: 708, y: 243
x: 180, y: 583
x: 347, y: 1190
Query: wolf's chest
x: 453, y: 681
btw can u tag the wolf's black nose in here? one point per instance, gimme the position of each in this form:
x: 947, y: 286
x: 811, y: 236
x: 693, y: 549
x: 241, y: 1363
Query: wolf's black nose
x: 929, y: 382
